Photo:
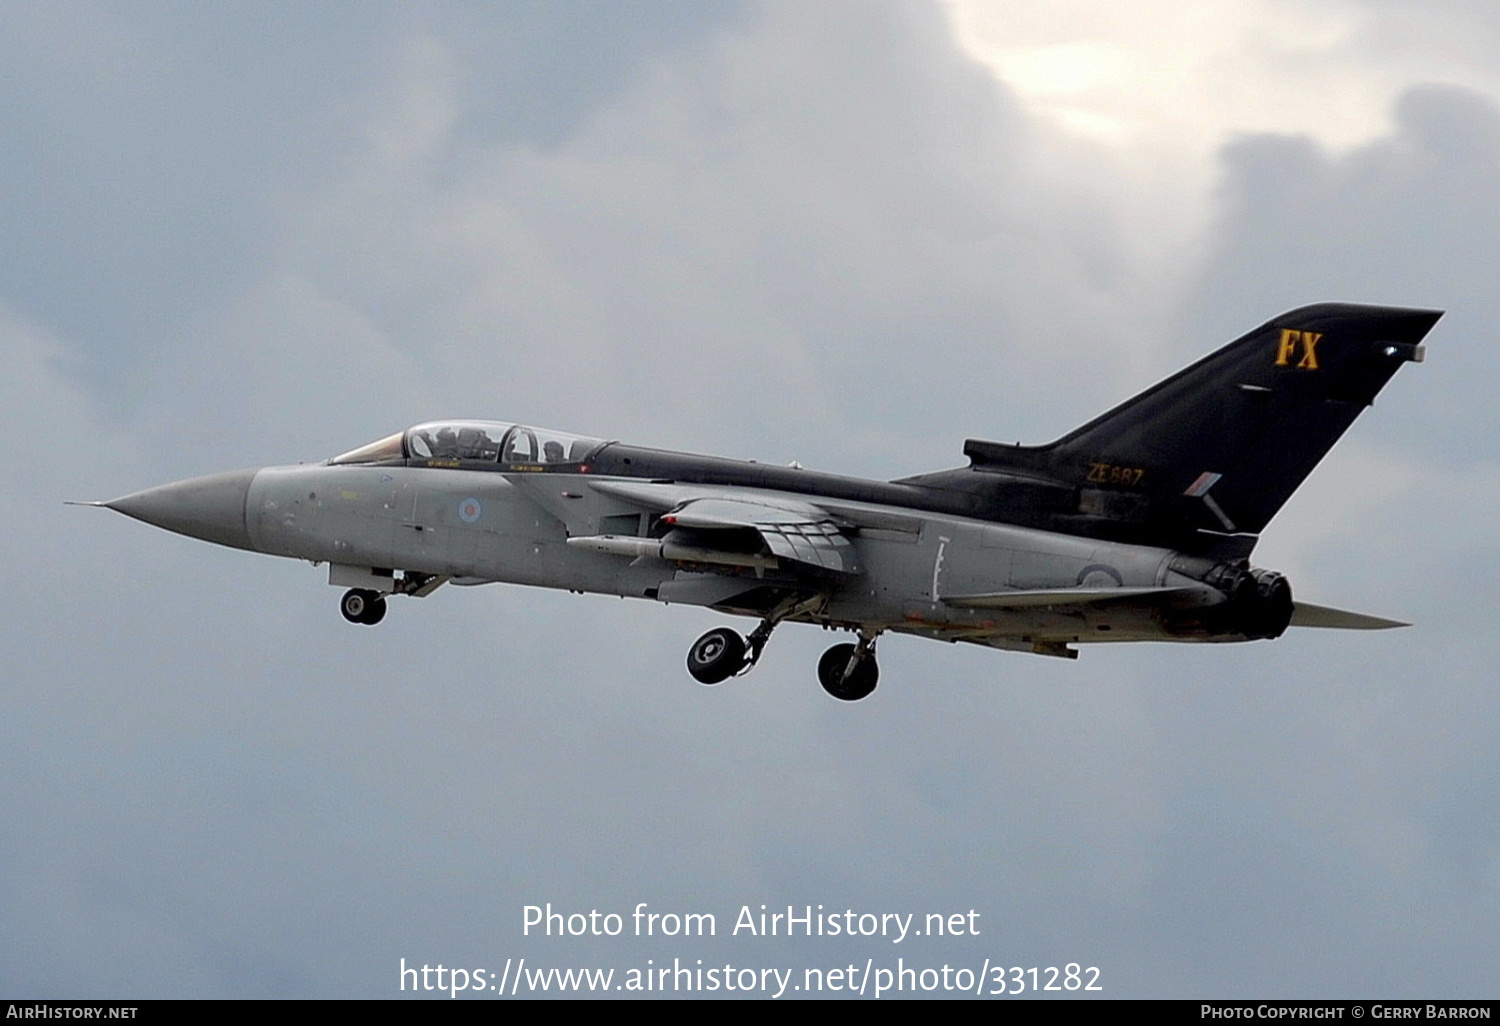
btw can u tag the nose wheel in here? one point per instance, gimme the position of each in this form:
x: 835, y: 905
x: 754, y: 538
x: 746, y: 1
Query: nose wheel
x: 361, y: 606
x: 849, y: 672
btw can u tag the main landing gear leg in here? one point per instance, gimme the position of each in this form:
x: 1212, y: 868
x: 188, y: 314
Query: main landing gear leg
x: 722, y: 653
x: 849, y: 672
x: 756, y: 642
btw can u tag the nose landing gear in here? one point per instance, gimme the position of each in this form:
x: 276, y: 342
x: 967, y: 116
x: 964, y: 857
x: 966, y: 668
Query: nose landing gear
x: 367, y: 605
x: 361, y: 606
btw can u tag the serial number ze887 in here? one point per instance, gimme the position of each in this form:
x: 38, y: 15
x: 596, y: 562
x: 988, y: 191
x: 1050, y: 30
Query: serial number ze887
x: 1110, y: 473
x: 1018, y: 980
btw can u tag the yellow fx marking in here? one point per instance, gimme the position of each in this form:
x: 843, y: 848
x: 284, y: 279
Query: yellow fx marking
x: 1290, y: 341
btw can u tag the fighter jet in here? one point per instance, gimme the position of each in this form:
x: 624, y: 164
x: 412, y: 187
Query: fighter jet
x: 1137, y: 526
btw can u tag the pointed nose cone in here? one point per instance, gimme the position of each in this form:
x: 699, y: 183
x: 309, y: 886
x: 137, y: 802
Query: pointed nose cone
x: 211, y: 508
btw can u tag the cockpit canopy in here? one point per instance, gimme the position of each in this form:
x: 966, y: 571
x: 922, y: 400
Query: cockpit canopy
x: 482, y: 441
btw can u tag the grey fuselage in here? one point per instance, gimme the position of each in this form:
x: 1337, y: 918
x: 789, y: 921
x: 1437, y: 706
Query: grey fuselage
x: 914, y: 544
x: 1138, y: 525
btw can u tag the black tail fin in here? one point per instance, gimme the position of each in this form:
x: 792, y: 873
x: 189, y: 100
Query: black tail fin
x: 1217, y: 448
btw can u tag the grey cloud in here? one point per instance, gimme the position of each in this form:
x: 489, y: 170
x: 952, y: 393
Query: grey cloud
x: 753, y: 224
x: 1411, y: 219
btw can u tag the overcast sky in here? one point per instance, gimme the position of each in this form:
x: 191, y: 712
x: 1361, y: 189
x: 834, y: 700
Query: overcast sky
x: 849, y: 234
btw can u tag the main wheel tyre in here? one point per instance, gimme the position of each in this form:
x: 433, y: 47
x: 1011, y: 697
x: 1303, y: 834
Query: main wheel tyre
x: 360, y: 606
x: 861, y: 680
x: 716, y: 656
